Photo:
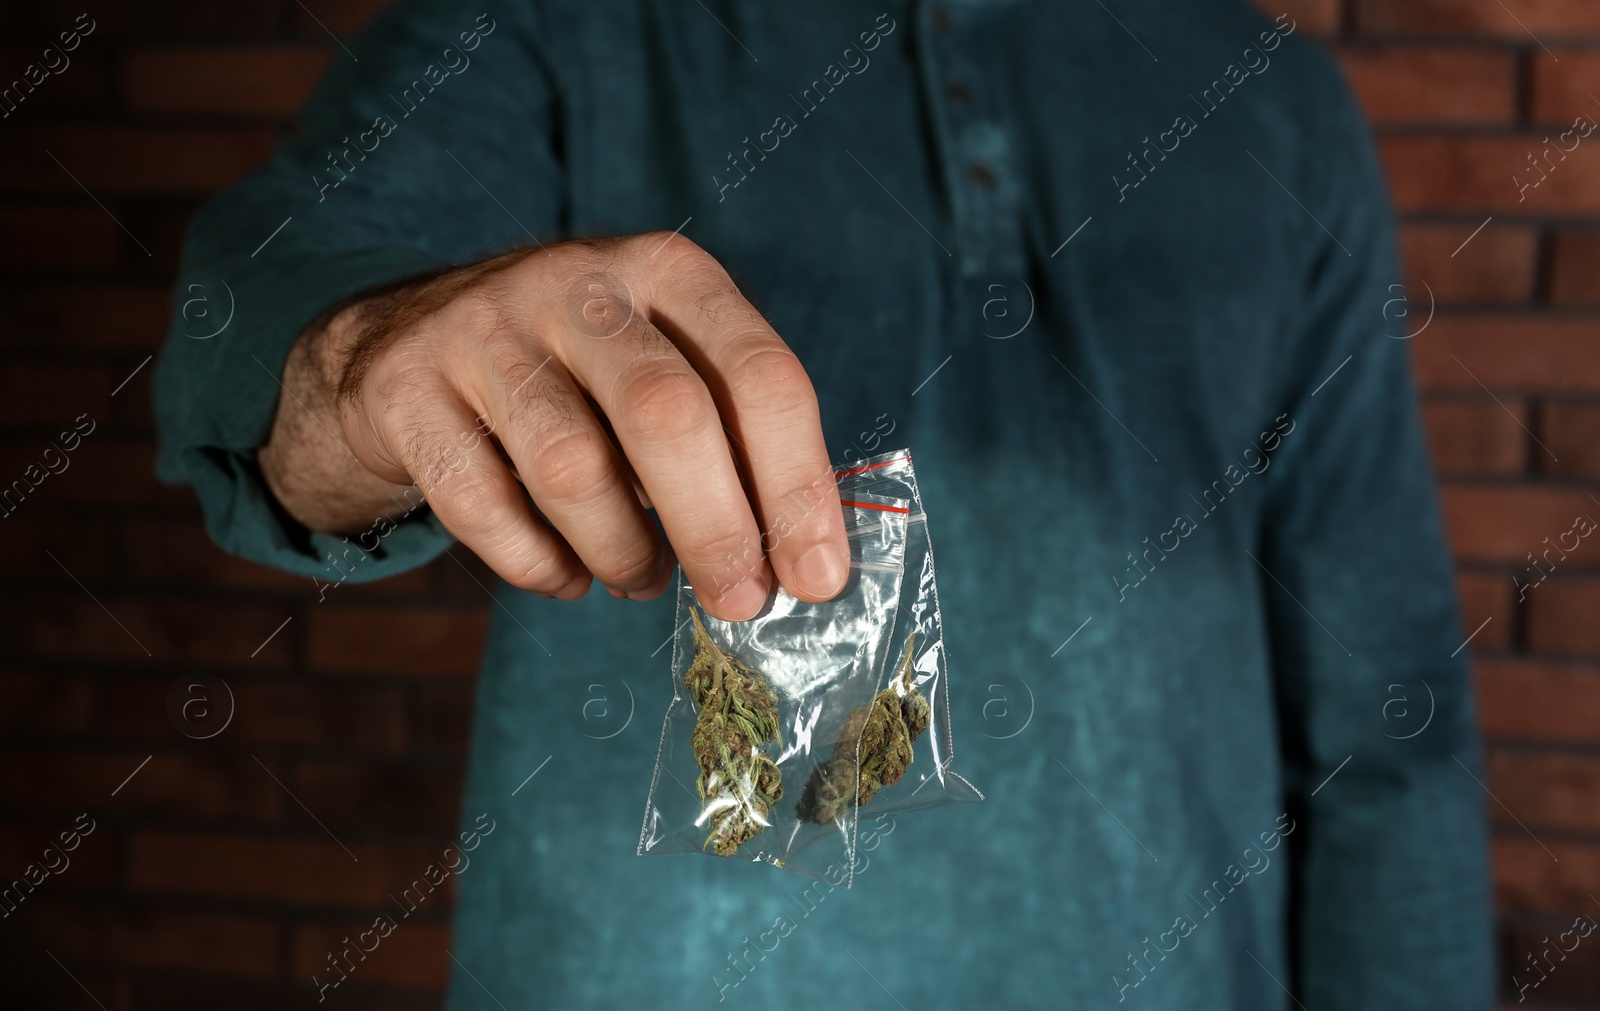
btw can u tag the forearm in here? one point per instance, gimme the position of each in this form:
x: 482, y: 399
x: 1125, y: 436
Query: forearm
x: 306, y: 461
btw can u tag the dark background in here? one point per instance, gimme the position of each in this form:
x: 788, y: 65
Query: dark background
x: 204, y: 884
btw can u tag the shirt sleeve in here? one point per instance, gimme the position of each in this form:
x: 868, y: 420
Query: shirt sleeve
x: 430, y: 143
x: 1390, y: 894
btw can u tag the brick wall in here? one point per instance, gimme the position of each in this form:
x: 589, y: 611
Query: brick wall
x: 204, y: 884
x: 1460, y: 94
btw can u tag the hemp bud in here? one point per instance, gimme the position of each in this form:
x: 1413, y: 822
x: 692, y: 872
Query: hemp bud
x: 738, y: 713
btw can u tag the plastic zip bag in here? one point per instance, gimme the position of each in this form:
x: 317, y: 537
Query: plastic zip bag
x: 783, y: 727
x: 919, y: 628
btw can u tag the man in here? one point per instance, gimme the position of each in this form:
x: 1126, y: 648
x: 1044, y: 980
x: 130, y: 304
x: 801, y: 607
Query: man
x: 1116, y: 274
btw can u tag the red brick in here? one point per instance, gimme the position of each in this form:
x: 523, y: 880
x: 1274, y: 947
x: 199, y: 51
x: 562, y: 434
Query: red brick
x: 140, y: 160
x: 185, y: 18
x: 1506, y: 351
x: 444, y: 718
x: 1553, y: 18
x: 257, y: 81
x: 1506, y: 524
x: 28, y: 983
x: 45, y: 468
x: 193, y: 992
x: 1572, y: 431
x: 1561, y: 88
x: 1564, y: 616
x: 83, y: 546
x: 396, y: 795
x: 40, y: 703
x: 161, y: 225
x: 92, y: 316
x: 163, y: 552
x: 413, y: 955
x: 1527, y: 700
x: 59, y: 236
x: 53, y: 394
x: 1485, y: 595
x: 1476, y: 436
x: 83, y: 85
x: 169, y: 785
x: 336, y: 719
x: 341, y: 17
x: 1433, y: 86
x: 460, y: 575
x: 1496, y: 265
x: 301, y: 871
x: 139, y: 704
x: 91, y: 864
x: 1576, y: 268
x: 102, y: 471
x: 397, y: 640
x: 330, y: 717
x: 1545, y: 790
x: 1551, y: 977
x: 73, y: 627
x: 161, y: 939
x: 1527, y: 879
x: 333, y: 718
x: 1473, y: 175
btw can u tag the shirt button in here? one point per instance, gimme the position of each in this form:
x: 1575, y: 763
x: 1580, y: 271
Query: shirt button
x: 959, y: 93
x: 941, y: 19
x: 981, y: 174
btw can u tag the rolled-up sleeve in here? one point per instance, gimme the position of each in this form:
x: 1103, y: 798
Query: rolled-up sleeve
x: 428, y: 144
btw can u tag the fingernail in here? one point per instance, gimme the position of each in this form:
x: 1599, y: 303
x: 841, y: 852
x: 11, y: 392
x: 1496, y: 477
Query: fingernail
x: 615, y: 592
x: 574, y: 590
x: 745, y: 600
x: 820, y: 572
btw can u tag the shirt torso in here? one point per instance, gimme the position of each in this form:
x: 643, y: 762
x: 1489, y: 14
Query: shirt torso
x: 1038, y: 255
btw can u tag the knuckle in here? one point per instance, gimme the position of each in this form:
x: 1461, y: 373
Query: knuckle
x: 405, y: 370
x: 571, y: 467
x: 538, y: 404
x: 662, y: 405
x: 658, y: 244
x: 630, y: 570
x: 721, y: 302
x: 673, y: 257
x: 473, y: 503
x: 765, y: 365
x: 547, y: 573
x: 427, y: 454
x: 645, y: 345
x: 487, y: 310
x: 564, y: 264
x: 600, y: 304
x: 589, y: 248
x: 726, y: 558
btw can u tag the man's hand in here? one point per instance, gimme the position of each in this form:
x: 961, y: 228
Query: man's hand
x: 535, y: 367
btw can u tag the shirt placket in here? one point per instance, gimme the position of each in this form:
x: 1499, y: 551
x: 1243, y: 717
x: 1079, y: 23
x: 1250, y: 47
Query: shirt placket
x: 976, y: 150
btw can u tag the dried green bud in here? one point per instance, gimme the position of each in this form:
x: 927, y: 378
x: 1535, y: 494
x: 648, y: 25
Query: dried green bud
x: 738, y: 784
x: 828, y: 791
x: 881, y: 733
x: 917, y: 713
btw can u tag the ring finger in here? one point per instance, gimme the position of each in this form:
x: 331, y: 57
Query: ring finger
x: 573, y: 471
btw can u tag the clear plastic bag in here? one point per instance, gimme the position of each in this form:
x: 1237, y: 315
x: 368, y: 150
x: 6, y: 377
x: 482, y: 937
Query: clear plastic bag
x: 784, y: 727
x: 920, y: 627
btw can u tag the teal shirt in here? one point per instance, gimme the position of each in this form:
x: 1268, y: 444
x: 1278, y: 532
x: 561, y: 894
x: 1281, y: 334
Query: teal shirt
x: 1122, y: 278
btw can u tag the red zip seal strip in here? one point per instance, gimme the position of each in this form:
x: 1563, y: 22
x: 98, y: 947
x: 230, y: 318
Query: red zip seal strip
x: 871, y: 466
x: 874, y: 505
